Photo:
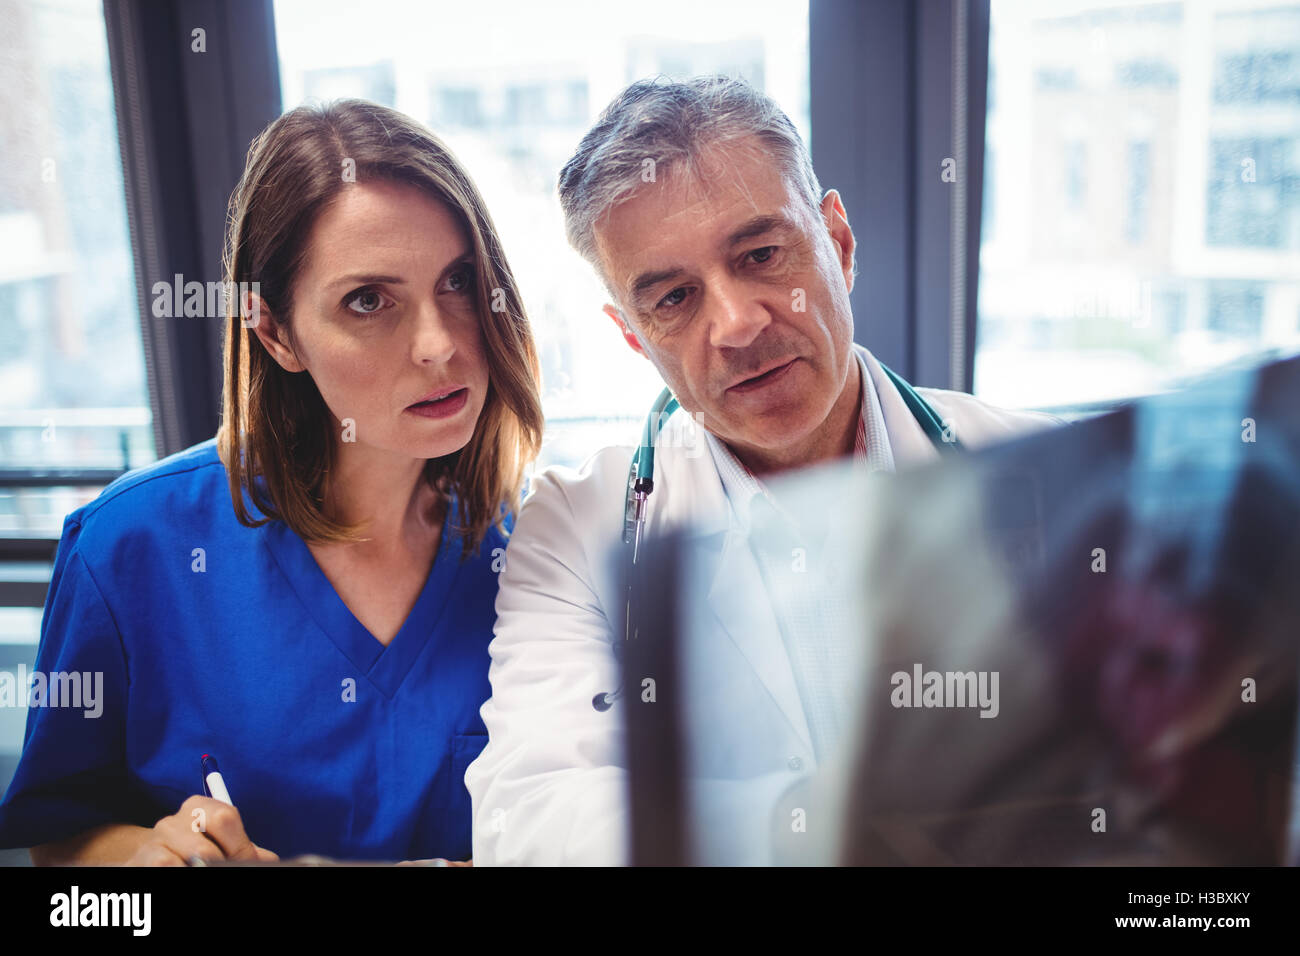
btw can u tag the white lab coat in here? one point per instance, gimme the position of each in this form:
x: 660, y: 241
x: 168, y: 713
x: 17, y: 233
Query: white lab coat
x: 550, y: 786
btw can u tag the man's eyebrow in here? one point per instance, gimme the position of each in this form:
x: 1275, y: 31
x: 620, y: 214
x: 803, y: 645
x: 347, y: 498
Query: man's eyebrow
x: 748, y: 230
x: 648, y: 280
x: 757, y: 226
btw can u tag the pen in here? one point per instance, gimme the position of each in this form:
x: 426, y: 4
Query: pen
x: 213, y: 785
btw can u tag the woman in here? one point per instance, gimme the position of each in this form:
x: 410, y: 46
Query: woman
x: 324, y: 638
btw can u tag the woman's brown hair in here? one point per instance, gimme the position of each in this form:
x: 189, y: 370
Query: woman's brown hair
x: 277, y: 437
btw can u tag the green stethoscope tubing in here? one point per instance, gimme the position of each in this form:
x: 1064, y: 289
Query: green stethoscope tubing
x: 640, y: 478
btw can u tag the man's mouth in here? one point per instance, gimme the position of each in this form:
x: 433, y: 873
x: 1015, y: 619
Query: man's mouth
x: 763, y: 378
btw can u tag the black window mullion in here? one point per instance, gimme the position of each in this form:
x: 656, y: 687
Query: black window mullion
x: 185, y: 119
x: 887, y: 110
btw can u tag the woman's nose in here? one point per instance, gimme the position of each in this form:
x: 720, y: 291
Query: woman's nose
x: 431, y: 339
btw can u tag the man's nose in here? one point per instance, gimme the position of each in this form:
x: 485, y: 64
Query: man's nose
x: 431, y: 339
x: 736, y: 315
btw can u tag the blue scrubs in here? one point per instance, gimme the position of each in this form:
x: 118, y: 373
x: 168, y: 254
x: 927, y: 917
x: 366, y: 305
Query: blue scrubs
x: 328, y: 741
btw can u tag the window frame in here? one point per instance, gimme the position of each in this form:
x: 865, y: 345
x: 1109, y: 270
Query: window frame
x: 897, y: 87
x: 185, y: 120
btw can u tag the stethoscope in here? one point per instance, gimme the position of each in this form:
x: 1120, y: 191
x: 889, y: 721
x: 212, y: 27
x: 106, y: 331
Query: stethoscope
x: 641, y: 482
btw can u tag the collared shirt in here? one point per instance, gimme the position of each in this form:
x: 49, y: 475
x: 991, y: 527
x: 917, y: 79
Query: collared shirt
x: 871, y: 449
x: 814, y: 618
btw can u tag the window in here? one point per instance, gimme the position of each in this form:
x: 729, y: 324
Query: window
x: 1139, y: 191
x: 513, y: 104
x: 1258, y: 77
x: 1076, y: 174
x: 1146, y: 196
x: 1236, y: 308
x: 1153, y: 72
x: 1242, y: 210
x: 73, y: 395
x: 72, y: 376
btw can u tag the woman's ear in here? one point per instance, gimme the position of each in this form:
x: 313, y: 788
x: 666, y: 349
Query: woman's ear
x: 273, y: 335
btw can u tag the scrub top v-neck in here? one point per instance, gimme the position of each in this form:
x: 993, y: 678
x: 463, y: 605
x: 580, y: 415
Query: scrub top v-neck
x: 212, y: 637
x: 384, y: 666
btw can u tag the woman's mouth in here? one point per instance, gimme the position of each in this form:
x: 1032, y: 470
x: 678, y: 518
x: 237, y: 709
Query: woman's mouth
x: 441, y: 407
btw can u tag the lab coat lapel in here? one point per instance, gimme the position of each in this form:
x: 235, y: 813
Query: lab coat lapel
x: 737, y: 594
x: 907, y: 440
x: 738, y: 599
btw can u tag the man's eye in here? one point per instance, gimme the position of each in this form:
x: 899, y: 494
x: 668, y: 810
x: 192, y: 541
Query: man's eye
x: 674, y: 298
x: 365, y: 302
x: 762, y: 255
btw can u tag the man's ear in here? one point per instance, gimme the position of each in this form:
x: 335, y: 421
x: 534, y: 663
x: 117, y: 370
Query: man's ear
x: 273, y: 335
x: 837, y: 224
x: 628, y: 335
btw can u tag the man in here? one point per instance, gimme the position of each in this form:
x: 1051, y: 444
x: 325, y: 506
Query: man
x: 698, y: 206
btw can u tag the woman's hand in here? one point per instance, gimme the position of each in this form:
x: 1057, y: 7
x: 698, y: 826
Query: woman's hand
x: 204, y: 828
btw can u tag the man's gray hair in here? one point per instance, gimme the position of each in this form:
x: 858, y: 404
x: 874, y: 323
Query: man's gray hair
x: 656, y: 124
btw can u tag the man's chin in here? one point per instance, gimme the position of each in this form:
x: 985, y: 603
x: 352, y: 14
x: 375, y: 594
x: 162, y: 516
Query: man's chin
x: 770, y: 443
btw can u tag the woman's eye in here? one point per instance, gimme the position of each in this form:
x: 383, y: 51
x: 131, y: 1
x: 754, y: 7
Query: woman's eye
x: 366, y: 302
x: 762, y: 255
x: 462, y: 280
